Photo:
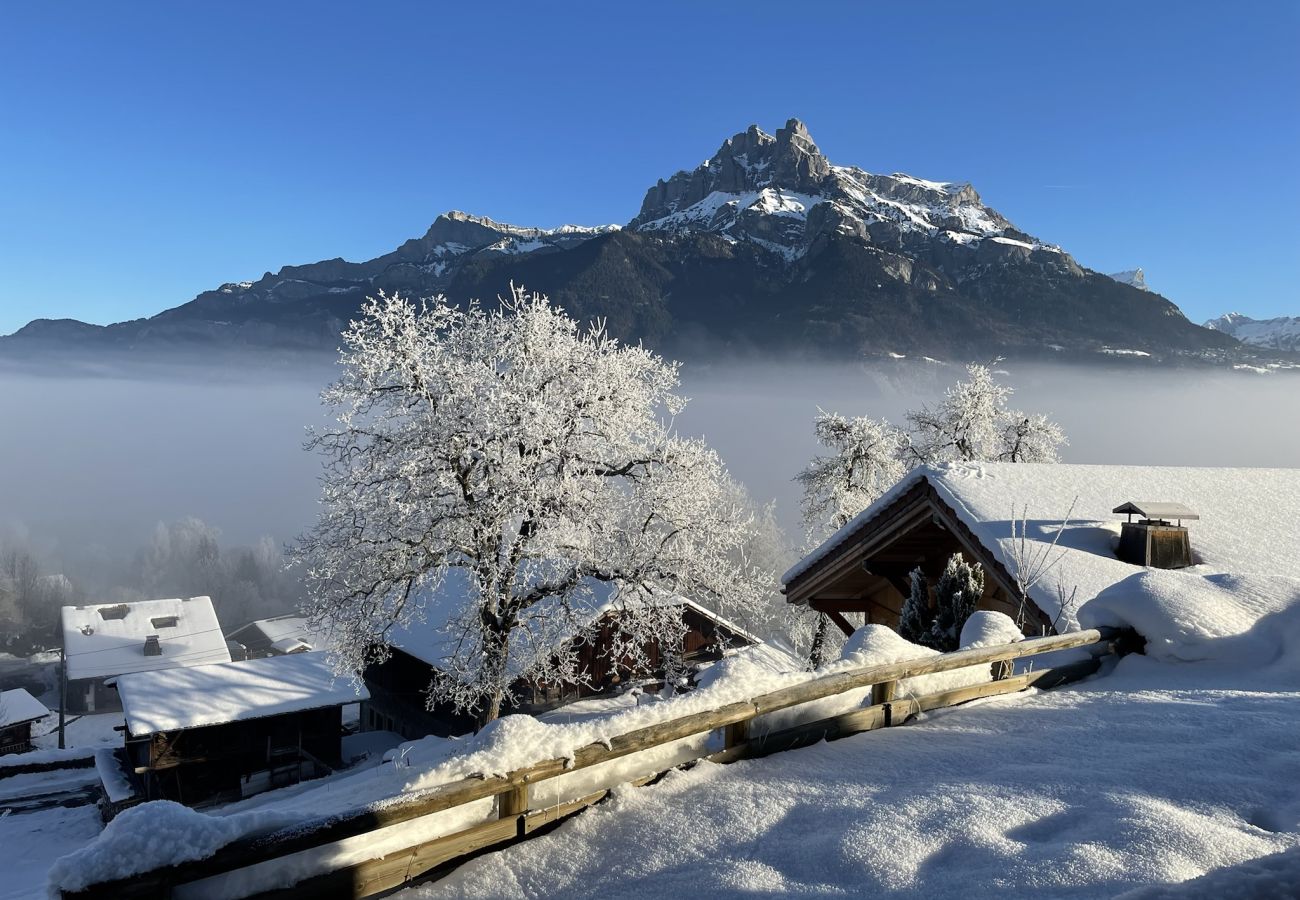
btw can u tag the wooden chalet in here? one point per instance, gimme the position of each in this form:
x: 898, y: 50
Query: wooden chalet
x: 399, y: 687
x: 103, y: 641
x: 1068, y: 525
x: 867, y: 570
x: 228, y: 730
x: 19, y: 711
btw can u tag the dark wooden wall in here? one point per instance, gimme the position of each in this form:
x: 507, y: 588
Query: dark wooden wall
x: 200, y: 764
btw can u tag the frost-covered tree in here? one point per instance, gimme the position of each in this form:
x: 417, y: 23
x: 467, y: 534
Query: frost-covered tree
x: 535, y: 459
x: 956, y: 595
x: 973, y: 423
x: 863, y: 463
x: 914, y: 620
x: 937, y: 623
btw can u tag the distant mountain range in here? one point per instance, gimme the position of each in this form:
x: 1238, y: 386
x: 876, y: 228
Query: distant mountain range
x: 766, y: 248
x: 1282, y: 333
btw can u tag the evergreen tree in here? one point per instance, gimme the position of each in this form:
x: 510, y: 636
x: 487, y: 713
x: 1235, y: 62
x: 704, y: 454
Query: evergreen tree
x: 956, y: 595
x: 914, y: 621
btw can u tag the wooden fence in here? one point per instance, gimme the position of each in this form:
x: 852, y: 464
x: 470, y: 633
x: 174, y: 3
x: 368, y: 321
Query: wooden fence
x: 514, y: 817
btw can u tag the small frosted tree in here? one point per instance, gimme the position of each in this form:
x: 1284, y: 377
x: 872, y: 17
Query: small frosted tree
x: 956, y: 595
x: 863, y: 463
x: 937, y: 623
x: 914, y: 621
x: 973, y: 424
x: 535, y: 459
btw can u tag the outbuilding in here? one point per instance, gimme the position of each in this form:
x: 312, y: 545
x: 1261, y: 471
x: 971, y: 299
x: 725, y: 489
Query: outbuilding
x: 1050, y: 534
x: 19, y: 711
x: 223, y: 731
x: 420, y: 651
x: 276, y: 636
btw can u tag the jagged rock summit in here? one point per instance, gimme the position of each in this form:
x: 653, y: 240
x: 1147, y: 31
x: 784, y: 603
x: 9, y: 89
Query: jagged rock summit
x: 1281, y: 333
x: 766, y: 247
x: 1133, y: 277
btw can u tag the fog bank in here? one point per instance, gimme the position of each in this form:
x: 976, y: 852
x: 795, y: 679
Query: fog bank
x: 88, y: 466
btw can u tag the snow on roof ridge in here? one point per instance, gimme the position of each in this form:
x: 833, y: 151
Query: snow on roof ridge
x: 197, y: 696
x: 18, y: 706
x: 99, y: 646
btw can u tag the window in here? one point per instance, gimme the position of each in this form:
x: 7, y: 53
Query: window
x: 113, y: 612
x: 165, y: 621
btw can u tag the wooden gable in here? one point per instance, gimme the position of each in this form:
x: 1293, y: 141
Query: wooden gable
x: 868, y: 572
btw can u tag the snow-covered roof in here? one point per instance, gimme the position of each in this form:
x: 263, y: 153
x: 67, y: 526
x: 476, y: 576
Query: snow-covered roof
x: 433, y: 636
x: 195, y: 696
x: 109, y: 638
x: 278, y: 632
x: 1247, y: 523
x: 1155, y: 509
x: 18, y: 706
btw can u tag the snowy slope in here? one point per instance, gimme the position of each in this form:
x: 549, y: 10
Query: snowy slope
x: 1082, y: 792
x: 1282, y: 333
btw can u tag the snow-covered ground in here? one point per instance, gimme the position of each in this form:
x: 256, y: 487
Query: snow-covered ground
x: 1148, y: 775
x: 1165, y: 767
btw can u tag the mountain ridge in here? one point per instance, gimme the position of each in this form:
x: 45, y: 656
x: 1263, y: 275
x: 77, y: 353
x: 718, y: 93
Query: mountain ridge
x: 767, y: 246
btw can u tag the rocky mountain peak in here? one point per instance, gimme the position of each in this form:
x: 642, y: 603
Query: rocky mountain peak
x: 748, y: 161
x: 1133, y: 277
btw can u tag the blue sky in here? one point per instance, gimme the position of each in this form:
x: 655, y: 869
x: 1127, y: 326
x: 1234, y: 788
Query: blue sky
x: 149, y: 152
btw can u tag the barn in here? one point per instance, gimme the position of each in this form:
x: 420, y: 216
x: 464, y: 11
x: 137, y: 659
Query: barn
x: 1058, y: 529
x: 19, y: 711
x: 398, y: 687
x: 228, y: 730
x: 103, y: 641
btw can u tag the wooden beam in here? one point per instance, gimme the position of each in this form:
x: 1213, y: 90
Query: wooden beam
x: 841, y: 623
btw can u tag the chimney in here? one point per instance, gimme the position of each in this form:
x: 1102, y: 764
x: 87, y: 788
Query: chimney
x: 151, y: 646
x: 1158, y: 539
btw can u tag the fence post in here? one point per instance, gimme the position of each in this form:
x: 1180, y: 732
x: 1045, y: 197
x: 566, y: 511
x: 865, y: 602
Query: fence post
x: 735, y: 734
x: 883, y: 694
x: 513, y: 802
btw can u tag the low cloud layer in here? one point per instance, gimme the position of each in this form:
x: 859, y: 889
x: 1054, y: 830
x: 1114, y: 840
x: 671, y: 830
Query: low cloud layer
x: 88, y: 466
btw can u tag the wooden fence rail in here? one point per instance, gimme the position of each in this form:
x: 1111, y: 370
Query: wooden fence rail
x: 515, y: 818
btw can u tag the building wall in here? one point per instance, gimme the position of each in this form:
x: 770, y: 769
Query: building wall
x: 399, y: 686
x: 91, y: 695
x: 201, y: 764
x: 16, y: 738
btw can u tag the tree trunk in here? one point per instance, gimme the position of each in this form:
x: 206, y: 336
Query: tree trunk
x: 496, y: 652
x: 817, y: 655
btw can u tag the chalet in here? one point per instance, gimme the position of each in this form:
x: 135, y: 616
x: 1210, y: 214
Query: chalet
x: 972, y: 509
x: 222, y: 731
x: 19, y: 710
x: 275, y: 636
x: 103, y: 641
x: 398, y: 687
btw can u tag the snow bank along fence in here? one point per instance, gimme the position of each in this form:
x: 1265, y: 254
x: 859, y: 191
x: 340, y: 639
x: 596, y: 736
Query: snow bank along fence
x: 309, y: 874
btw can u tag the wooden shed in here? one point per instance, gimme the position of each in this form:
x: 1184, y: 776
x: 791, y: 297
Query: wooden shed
x: 865, y: 568
x: 19, y: 711
x: 399, y: 687
x: 228, y: 730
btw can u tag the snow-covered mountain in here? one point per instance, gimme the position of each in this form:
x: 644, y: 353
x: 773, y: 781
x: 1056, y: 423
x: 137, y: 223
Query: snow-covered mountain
x: 766, y: 246
x: 1133, y: 277
x: 780, y: 193
x: 1282, y: 333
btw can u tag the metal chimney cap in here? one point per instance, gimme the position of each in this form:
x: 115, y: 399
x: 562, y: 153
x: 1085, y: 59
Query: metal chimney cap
x: 1155, y: 509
